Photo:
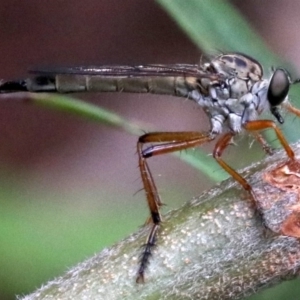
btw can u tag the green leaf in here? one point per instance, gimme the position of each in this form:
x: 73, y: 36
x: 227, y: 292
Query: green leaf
x: 195, y: 158
x: 218, y: 26
x: 85, y: 110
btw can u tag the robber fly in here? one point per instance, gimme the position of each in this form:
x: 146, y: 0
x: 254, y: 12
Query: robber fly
x: 230, y: 88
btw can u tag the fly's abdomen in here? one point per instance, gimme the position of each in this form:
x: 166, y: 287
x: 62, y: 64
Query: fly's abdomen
x: 64, y: 83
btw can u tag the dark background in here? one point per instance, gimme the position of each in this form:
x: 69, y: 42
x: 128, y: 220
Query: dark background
x: 60, y: 173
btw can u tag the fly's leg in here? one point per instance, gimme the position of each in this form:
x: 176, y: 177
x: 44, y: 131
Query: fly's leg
x: 225, y: 140
x: 266, y: 147
x: 164, y: 142
x: 291, y: 108
x: 220, y: 146
x: 267, y: 124
x: 171, y: 142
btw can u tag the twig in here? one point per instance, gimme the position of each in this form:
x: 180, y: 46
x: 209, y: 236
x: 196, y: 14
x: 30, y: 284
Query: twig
x: 214, y: 247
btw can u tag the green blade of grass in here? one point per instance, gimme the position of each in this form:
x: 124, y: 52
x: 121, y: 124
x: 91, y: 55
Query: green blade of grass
x: 85, y: 110
x: 204, y: 163
x: 217, y: 25
x: 196, y: 158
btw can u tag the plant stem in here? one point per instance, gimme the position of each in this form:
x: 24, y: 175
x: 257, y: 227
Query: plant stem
x: 214, y: 247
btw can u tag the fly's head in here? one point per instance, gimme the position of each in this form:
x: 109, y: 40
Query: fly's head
x: 278, y: 90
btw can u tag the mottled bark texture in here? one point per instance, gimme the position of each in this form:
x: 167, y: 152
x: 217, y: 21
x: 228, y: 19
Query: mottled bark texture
x: 214, y: 247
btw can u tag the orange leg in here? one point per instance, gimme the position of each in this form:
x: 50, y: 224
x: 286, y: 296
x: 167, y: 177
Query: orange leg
x: 266, y: 147
x: 166, y: 142
x: 225, y: 140
x: 221, y: 145
x: 266, y: 124
x: 291, y: 108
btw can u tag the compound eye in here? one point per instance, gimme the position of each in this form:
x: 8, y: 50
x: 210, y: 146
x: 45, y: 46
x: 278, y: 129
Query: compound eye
x: 278, y: 87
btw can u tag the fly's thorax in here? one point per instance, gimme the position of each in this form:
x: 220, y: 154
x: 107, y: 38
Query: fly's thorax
x: 236, y: 65
x: 234, y: 88
x: 259, y: 91
x: 238, y: 87
x: 233, y: 112
x: 236, y: 75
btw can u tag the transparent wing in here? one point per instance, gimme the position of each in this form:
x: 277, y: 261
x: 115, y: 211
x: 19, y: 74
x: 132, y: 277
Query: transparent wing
x: 130, y: 71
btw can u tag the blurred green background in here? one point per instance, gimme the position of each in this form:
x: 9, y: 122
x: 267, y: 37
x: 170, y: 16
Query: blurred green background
x: 68, y: 184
